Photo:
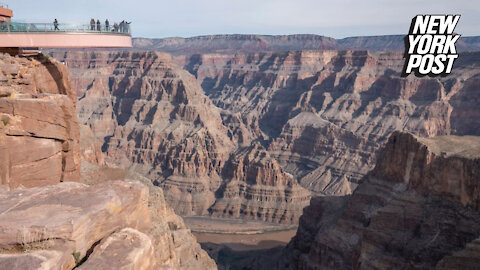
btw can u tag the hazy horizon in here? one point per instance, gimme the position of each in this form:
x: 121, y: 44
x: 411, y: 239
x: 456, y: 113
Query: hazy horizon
x: 187, y: 18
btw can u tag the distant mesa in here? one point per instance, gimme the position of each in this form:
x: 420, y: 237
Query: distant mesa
x: 230, y: 44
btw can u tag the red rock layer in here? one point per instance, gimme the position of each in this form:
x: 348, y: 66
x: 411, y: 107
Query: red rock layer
x: 39, y: 135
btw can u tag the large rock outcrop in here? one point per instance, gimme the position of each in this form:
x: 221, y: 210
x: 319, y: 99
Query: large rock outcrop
x: 39, y: 135
x: 175, y: 247
x: 48, y: 226
x: 418, y: 209
x: 67, y: 219
x: 126, y: 249
x: 111, y: 225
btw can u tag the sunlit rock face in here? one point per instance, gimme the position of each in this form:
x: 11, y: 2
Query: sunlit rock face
x: 109, y: 225
x: 39, y: 134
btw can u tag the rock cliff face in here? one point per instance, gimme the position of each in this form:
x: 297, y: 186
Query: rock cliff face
x: 154, y: 118
x: 38, y: 129
x: 417, y: 209
x: 256, y: 187
x: 323, y: 115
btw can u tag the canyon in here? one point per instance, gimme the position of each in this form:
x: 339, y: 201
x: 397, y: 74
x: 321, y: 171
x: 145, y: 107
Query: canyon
x: 324, y: 115
x: 252, y: 135
x: 417, y: 209
x: 62, y: 207
x: 377, y: 170
x: 153, y: 117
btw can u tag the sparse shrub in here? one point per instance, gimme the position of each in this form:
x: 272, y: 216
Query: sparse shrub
x: 76, y: 256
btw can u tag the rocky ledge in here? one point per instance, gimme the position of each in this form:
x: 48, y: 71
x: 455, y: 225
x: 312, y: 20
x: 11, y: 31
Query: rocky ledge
x: 418, y: 209
x: 112, y: 225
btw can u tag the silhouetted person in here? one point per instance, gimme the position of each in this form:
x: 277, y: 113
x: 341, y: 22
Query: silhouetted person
x: 98, y: 25
x: 122, y: 25
x: 107, y: 25
x: 55, y: 25
x: 127, y: 27
x: 92, y: 24
x: 3, y: 25
x: 115, y: 27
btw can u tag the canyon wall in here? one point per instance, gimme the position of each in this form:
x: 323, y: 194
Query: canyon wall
x: 38, y: 130
x: 153, y: 117
x: 323, y: 115
x: 417, y: 209
x: 320, y: 117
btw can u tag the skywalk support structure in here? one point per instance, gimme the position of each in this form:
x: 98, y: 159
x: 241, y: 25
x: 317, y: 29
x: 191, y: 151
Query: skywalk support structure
x: 15, y: 36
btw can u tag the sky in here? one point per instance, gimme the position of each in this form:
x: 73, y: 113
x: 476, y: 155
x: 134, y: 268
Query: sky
x: 186, y: 18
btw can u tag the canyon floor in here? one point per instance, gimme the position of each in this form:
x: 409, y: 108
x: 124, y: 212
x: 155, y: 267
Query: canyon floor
x: 205, y: 224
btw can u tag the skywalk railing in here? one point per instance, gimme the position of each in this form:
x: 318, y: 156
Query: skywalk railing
x: 17, y: 27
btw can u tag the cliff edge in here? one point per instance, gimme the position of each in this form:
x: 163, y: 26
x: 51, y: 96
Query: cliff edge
x: 39, y: 132
x: 418, y: 208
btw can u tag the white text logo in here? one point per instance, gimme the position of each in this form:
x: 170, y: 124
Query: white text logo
x: 430, y: 45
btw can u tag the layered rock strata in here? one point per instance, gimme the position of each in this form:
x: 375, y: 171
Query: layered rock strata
x: 324, y: 115
x: 154, y: 118
x: 321, y: 115
x: 257, y: 188
x: 417, y: 209
x: 109, y: 225
x: 38, y: 128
